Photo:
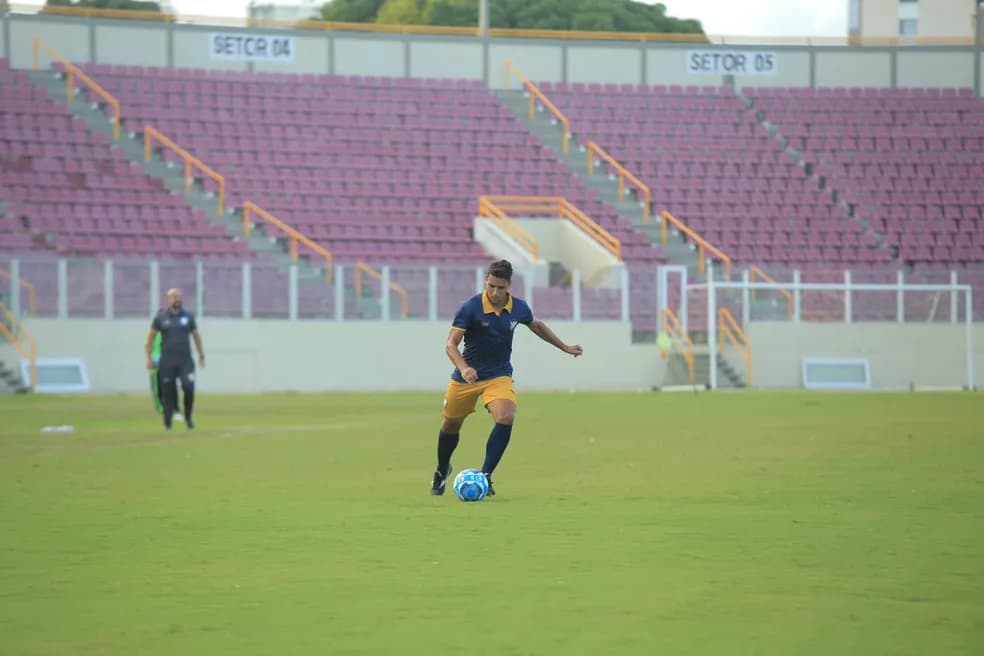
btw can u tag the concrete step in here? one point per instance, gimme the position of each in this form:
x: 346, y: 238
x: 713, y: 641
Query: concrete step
x: 11, y: 381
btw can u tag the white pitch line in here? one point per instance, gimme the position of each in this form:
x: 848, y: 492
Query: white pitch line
x: 192, y: 437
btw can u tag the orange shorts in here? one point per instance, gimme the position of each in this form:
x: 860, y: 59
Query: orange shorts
x: 460, y: 398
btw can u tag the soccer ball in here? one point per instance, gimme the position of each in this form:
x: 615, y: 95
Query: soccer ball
x: 471, y: 485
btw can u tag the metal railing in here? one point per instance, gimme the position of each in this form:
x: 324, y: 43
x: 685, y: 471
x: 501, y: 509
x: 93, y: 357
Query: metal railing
x: 251, y: 209
x: 72, y: 73
x: 681, y: 340
x: 594, y: 150
x: 534, y: 95
x: 501, y: 32
x: 561, y: 208
x: 20, y: 339
x: 363, y: 268
x: 488, y: 209
x: 32, y: 292
x: 729, y: 328
x: 755, y: 273
x: 191, y: 163
x: 703, y: 246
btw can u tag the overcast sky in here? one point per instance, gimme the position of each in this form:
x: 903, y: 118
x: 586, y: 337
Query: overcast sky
x: 719, y: 17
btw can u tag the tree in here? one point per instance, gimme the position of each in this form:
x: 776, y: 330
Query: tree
x: 129, y: 5
x: 593, y: 15
x: 402, y: 12
x: 351, y: 11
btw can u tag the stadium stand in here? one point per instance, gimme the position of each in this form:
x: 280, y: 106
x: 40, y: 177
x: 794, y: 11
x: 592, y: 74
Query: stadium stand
x: 910, y: 161
x: 388, y: 171
x: 384, y: 170
x: 708, y: 161
x: 66, y: 190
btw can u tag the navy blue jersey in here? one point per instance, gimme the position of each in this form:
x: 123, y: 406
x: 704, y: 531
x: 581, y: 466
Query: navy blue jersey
x: 175, y: 330
x: 488, y: 335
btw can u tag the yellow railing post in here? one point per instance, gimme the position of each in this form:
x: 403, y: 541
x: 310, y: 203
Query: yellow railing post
x: 71, y: 73
x: 685, y: 345
x: 18, y: 340
x: 623, y: 175
x: 728, y: 327
x: 296, y: 238
x: 500, y: 208
x: 702, y: 244
x: 32, y: 292
x: 534, y: 92
x: 754, y: 271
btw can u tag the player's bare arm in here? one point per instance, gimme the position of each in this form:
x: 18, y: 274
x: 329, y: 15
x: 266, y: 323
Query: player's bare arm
x: 198, y: 347
x: 544, y: 332
x: 149, y: 348
x: 453, y: 349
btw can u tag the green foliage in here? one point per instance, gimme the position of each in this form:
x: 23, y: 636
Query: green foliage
x: 351, y: 11
x: 128, y: 5
x: 594, y: 15
x: 402, y: 12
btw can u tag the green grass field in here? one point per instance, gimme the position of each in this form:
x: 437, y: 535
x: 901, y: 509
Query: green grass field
x: 758, y: 523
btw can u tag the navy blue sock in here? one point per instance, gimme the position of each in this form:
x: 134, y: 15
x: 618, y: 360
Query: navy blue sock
x: 496, y: 446
x: 446, y: 444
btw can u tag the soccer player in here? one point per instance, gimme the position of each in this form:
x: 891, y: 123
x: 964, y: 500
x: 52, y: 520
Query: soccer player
x: 175, y: 326
x: 486, y: 322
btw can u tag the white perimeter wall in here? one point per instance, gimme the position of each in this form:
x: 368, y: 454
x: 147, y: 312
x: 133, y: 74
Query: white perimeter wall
x: 926, y: 355
x: 395, y: 55
x: 252, y: 356
x: 270, y: 355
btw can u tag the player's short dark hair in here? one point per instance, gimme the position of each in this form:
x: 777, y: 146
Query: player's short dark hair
x: 500, y: 269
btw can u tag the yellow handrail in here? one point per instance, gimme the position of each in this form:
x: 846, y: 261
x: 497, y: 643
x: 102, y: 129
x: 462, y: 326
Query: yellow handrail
x: 488, y: 209
x: 682, y: 341
x: 755, y: 272
x: 728, y: 327
x: 30, y: 350
x: 561, y: 208
x: 703, y: 245
x: 361, y: 267
x: 71, y: 72
x: 250, y: 208
x: 535, y: 93
x: 190, y: 163
x: 32, y: 294
x: 623, y: 175
x: 678, y: 37
x: 124, y: 14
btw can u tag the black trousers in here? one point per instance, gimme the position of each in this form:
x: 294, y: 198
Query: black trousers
x: 169, y: 373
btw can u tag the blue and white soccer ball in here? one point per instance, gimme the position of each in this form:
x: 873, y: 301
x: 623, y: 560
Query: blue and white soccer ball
x: 471, y: 485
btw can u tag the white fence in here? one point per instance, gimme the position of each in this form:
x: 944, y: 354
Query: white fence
x: 737, y: 298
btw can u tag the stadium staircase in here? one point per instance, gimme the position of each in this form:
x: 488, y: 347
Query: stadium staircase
x: 11, y: 381
x: 311, y: 270
x: 546, y: 129
x: 198, y: 197
x: 10, y: 378
x: 677, y: 373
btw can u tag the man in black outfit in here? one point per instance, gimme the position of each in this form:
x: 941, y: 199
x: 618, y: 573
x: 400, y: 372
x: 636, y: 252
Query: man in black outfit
x: 175, y: 326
